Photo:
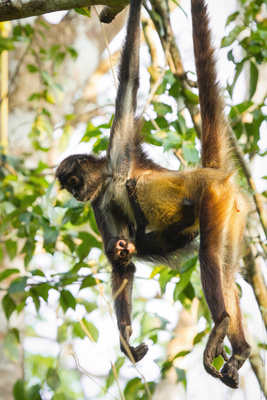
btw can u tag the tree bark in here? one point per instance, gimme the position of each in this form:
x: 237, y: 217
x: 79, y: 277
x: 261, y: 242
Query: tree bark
x: 16, y: 9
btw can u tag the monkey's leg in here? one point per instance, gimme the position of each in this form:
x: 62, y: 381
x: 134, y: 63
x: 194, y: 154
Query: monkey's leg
x: 122, y: 283
x: 173, y: 231
x: 139, y: 216
x: 240, y: 348
x: 212, y: 236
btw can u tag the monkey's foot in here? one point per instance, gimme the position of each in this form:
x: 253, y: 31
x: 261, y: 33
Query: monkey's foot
x: 230, y: 375
x: 230, y: 369
x: 215, y: 347
x: 133, y: 353
x: 139, y: 352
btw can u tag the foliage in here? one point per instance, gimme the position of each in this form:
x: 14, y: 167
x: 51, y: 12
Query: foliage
x: 37, y: 221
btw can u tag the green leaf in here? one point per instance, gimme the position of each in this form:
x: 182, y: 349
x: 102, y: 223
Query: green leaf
x: 157, y: 270
x: 83, y: 11
x: 6, y: 44
x: 218, y: 362
x: 189, y: 264
x: 181, y: 354
x: 199, y: 337
x: 11, y: 345
x: 72, y: 52
x: 111, y: 378
x: 18, y: 285
x: 165, y: 276
x: 50, y: 235
x: 19, y: 390
x: 32, y: 68
x: 162, y: 108
x: 181, y: 375
x: 8, y: 305
x: 88, y: 281
x: 11, y: 247
x: 190, y: 152
x: 172, y: 141
x: 67, y: 300
x: 7, y: 272
x: 42, y: 290
x: 238, y: 70
x: 175, y: 89
x: 88, y: 305
x: 33, y: 393
x: 88, y: 241
x: 52, y: 379
x: 33, y: 294
x: 62, y: 333
x: 182, y: 284
x: 231, y: 18
x: 253, y: 79
x: 190, y: 97
x: 79, y: 331
x: 227, y: 40
x: 240, y: 108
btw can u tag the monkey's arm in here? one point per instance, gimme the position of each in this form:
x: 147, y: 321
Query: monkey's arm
x: 122, y: 277
x: 122, y: 283
x: 124, y: 127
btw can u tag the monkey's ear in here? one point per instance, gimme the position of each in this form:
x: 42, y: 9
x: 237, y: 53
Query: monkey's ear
x: 82, y: 160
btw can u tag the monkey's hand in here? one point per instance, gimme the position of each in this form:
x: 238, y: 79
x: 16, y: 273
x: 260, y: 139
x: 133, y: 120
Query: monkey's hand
x: 215, y: 348
x: 133, y: 353
x: 121, y: 250
x: 131, y: 186
x: 230, y: 368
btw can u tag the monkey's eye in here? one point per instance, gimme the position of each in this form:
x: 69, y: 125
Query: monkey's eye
x: 123, y: 254
x: 121, y: 244
x: 73, y: 181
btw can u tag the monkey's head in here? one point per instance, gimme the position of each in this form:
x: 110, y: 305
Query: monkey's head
x: 81, y: 175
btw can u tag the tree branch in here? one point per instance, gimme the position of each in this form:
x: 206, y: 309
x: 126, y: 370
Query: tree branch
x: 253, y: 275
x: 16, y: 9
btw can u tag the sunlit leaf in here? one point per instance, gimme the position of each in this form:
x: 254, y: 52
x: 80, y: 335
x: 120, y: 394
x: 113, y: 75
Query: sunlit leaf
x: 67, y: 300
x: 254, y: 75
x: 8, y: 305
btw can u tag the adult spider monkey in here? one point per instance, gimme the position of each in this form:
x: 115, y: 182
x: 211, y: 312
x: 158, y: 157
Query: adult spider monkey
x: 150, y: 212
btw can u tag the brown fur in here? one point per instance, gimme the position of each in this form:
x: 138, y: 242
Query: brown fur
x: 162, y: 211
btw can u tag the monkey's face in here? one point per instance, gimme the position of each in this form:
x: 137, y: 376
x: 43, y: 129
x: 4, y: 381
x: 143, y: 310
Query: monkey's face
x: 78, y: 177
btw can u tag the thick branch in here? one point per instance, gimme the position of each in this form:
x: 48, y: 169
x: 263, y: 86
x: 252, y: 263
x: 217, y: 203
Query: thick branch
x: 16, y: 9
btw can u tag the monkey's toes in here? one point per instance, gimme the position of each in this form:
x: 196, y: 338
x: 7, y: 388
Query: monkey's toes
x: 230, y: 376
x: 208, y: 359
x: 139, y: 352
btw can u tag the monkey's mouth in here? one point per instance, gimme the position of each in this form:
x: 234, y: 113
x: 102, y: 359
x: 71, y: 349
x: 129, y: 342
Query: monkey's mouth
x: 80, y: 197
x: 83, y: 196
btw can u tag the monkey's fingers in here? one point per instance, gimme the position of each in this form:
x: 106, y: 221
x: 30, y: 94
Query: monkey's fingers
x: 224, y: 355
x: 139, y: 352
x: 212, y: 370
x: 215, y: 347
x: 230, y: 375
x: 134, y: 354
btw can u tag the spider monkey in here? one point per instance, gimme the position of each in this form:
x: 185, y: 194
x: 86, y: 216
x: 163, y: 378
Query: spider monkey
x: 146, y: 211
